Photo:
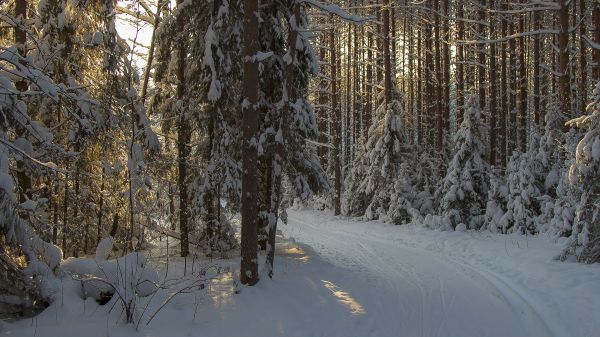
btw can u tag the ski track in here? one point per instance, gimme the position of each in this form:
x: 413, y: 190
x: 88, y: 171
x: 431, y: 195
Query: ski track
x: 419, y: 292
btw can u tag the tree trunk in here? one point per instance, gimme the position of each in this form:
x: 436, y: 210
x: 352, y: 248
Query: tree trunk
x: 387, y: 66
x: 323, y: 116
x: 582, y: 57
x: 563, y: 58
x: 596, y: 51
x: 522, y: 88
x: 65, y: 216
x: 347, y: 135
x: 504, y: 97
x: 419, y: 107
x: 493, y: 128
x: 439, y: 115
x: 23, y: 177
x: 481, y: 56
x: 460, y: 68
x: 429, y: 73
x: 446, y: 81
x: 249, y: 211
x: 150, y: 57
x: 100, y: 208
x: 536, y: 70
x: 369, y: 85
x: 335, y: 124
x: 183, y: 140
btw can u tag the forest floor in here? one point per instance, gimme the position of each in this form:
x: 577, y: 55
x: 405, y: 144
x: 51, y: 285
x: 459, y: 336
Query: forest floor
x: 343, y: 277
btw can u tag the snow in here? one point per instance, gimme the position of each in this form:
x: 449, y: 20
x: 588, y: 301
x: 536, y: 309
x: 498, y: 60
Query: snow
x: 104, y: 248
x: 419, y: 282
x: 342, y: 277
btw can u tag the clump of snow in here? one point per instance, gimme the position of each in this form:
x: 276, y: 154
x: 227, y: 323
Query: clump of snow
x: 104, y: 248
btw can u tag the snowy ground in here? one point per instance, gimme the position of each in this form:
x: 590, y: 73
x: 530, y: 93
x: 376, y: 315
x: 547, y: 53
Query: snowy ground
x: 350, y: 278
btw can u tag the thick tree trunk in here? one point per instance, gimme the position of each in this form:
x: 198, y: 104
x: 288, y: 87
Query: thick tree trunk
x: 183, y: 140
x: 563, y: 58
x: 249, y: 211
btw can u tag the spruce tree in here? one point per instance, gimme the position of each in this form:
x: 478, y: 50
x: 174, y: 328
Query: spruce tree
x: 463, y: 194
x: 585, y: 236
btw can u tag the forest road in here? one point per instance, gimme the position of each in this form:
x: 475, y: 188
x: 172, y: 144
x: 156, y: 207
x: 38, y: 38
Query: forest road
x: 410, y: 291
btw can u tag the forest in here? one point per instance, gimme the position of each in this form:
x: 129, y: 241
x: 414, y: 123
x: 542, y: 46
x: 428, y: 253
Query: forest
x: 204, y: 137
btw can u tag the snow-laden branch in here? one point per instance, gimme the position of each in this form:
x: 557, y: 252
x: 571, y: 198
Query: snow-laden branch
x: 338, y: 11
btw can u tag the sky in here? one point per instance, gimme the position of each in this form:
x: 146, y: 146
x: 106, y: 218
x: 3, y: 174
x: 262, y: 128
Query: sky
x: 128, y: 30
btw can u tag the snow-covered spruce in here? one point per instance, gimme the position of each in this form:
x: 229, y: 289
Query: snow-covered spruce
x: 380, y: 165
x: 496, y: 202
x: 585, y: 170
x: 462, y: 196
x: 522, y: 205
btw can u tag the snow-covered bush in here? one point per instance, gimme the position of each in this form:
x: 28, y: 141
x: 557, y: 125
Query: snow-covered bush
x: 128, y: 278
x: 462, y: 196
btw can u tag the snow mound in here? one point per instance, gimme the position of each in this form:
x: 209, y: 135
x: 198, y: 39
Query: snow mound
x: 101, y: 279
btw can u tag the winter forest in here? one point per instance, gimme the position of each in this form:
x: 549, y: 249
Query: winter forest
x: 299, y: 168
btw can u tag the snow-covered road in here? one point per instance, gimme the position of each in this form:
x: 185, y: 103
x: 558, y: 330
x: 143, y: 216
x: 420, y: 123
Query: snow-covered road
x: 415, y: 282
x: 337, y: 277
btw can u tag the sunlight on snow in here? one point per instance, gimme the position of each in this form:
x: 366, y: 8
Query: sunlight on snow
x: 345, y: 298
x: 294, y: 252
x: 222, y: 289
